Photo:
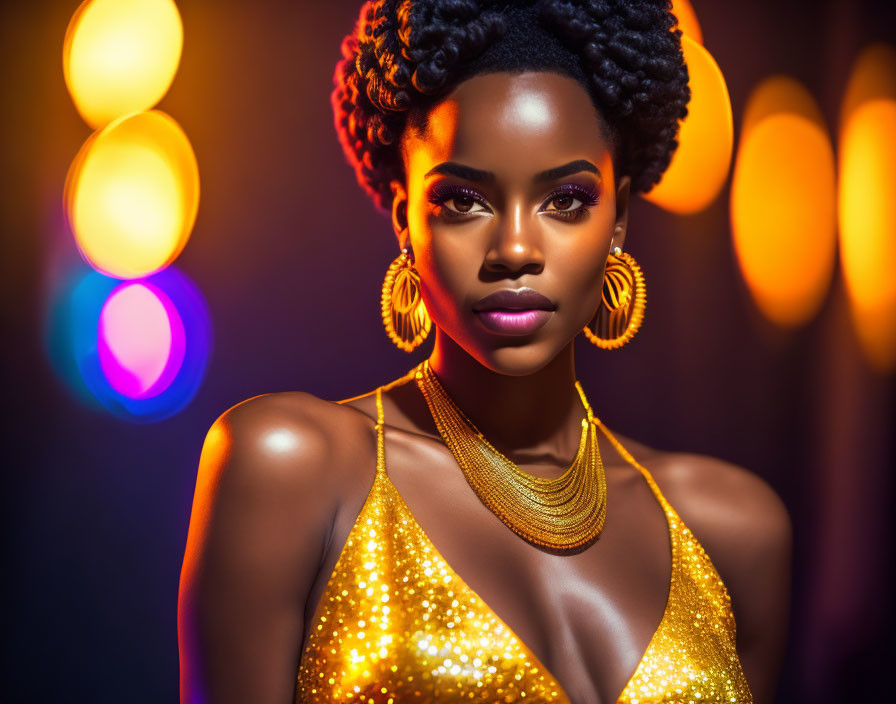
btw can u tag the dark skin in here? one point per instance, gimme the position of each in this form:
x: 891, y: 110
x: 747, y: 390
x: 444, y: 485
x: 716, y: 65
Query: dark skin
x: 283, y: 477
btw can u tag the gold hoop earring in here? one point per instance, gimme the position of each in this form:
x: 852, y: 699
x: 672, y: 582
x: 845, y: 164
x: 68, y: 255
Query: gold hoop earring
x: 405, y: 316
x: 622, y: 303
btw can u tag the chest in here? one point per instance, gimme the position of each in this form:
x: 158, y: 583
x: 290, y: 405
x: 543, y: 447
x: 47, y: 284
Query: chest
x: 469, y: 590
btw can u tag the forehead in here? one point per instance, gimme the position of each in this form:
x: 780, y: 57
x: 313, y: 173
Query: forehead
x: 512, y: 124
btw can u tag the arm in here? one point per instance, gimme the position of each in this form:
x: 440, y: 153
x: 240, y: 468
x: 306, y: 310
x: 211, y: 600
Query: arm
x: 745, y: 528
x: 262, y: 510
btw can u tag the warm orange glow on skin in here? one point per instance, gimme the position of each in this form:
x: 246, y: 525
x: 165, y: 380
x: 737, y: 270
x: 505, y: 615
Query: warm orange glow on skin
x: 700, y: 165
x: 867, y: 212
x: 783, y: 202
x: 120, y: 56
x: 217, y: 446
x: 687, y: 19
x: 132, y: 194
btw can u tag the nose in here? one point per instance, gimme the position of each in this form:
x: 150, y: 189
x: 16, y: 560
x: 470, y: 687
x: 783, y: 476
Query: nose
x: 515, y: 245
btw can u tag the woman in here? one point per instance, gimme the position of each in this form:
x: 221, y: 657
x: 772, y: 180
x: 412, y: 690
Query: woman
x: 461, y: 533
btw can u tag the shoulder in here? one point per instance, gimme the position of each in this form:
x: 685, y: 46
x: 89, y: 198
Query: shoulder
x: 745, y: 529
x: 726, y: 506
x: 274, y: 474
x: 287, y: 447
x: 724, y: 496
x: 280, y: 427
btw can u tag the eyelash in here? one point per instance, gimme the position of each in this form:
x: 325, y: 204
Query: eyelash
x: 441, y: 193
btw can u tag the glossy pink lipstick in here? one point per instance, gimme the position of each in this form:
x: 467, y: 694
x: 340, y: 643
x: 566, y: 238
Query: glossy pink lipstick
x: 514, y: 311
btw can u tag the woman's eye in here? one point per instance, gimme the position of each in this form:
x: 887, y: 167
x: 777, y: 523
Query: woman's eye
x: 461, y: 203
x: 565, y: 202
x: 456, y: 201
x: 571, y: 204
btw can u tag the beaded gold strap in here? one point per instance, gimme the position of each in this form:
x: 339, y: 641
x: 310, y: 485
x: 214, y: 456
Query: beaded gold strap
x: 380, y: 439
x: 628, y: 457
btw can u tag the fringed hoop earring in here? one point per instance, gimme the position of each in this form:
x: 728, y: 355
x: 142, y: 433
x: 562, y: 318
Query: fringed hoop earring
x: 405, y: 316
x: 622, y: 306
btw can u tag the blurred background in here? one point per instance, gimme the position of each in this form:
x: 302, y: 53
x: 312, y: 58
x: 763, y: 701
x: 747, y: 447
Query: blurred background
x: 769, y: 341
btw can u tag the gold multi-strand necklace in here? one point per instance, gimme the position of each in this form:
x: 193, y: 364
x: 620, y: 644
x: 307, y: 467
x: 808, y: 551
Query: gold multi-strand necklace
x: 559, y: 514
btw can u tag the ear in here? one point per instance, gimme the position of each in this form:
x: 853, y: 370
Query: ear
x: 400, y: 212
x: 619, y: 227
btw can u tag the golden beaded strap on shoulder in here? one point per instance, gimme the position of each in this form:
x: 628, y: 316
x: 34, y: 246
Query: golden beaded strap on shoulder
x: 628, y: 457
x: 380, y: 440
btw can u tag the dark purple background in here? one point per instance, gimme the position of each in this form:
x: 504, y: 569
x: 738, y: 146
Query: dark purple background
x: 291, y: 255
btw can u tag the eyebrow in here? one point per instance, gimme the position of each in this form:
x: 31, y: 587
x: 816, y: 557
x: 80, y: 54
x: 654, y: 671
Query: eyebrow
x: 468, y: 173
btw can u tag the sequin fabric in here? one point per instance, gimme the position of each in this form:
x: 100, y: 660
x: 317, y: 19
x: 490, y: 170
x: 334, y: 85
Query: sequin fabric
x: 692, y: 657
x: 396, y: 624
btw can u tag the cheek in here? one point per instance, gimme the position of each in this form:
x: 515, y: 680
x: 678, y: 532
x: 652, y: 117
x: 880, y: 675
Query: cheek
x: 575, y: 262
x: 580, y: 279
x: 447, y: 259
x: 450, y: 268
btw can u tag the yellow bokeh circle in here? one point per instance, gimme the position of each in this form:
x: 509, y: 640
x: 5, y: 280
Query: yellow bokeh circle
x: 120, y: 56
x: 132, y: 194
x: 867, y: 212
x: 868, y: 226
x: 783, y: 202
x: 700, y: 164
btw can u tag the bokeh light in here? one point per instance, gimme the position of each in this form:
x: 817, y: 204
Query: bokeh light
x: 687, y: 19
x: 700, y: 164
x: 138, y: 349
x: 141, y: 340
x: 867, y: 213
x: 132, y: 194
x: 120, y: 56
x: 783, y: 202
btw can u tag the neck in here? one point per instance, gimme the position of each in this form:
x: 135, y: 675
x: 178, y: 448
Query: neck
x: 530, y: 418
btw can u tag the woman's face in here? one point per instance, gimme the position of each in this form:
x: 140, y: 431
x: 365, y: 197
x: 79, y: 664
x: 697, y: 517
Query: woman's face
x: 511, y: 187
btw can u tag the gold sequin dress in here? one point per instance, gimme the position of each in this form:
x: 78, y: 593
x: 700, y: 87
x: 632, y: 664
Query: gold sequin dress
x: 396, y: 624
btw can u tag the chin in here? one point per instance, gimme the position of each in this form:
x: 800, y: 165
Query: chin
x: 517, y: 357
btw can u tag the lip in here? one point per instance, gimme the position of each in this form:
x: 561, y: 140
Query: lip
x: 514, y: 299
x: 514, y: 322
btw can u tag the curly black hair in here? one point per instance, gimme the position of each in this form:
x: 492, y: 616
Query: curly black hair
x: 405, y: 55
